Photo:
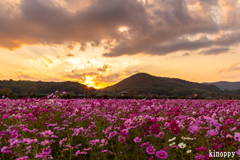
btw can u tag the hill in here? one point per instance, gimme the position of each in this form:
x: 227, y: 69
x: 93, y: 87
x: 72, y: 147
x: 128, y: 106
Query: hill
x: 146, y: 83
x: 39, y: 87
x: 226, y: 85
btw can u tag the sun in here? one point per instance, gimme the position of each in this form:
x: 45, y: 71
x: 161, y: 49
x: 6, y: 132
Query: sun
x: 89, y: 81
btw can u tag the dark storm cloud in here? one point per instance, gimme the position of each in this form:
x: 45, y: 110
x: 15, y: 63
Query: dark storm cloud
x: 214, y: 51
x: 158, y: 28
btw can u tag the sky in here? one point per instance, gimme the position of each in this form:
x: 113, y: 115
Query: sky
x: 101, y: 42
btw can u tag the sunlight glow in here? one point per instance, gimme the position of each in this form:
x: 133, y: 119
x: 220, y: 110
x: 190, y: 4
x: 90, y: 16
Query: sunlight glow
x: 89, y: 81
x: 122, y: 29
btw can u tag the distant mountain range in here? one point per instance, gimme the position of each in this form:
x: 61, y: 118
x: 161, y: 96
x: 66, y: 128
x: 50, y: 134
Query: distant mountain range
x: 31, y: 87
x: 226, y: 85
x: 146, y: 83
x: 141, y: 83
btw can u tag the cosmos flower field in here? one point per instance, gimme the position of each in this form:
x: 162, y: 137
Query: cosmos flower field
x: 117, y: 129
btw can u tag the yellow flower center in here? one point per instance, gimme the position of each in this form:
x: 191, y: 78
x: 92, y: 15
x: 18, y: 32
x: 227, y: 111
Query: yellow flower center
x: 161, y: 154
x: 150, y: 150
x: 174, y: 129
x: 22, y: 158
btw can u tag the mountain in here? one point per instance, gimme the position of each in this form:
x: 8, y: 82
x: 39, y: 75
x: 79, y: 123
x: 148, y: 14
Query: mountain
x: 39, y: 87
x: 146, y: 83
x: 226, y: 85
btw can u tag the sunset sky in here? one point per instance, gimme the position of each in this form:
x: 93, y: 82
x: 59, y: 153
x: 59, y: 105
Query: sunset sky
x: 100, y: 42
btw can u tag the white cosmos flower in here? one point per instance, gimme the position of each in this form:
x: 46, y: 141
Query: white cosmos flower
x: 182, y: 145
x: 172, y: 144
x: 170, y: 140
x: 183, y: 138
x: 189, y: 151
x: 188, y: 138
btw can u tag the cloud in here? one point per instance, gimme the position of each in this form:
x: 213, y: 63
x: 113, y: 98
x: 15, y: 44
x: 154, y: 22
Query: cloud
x: 100, y: 78
x: 185, y: 54
x: 157, y: 27
x: 214, y: 51
x: 232, y: 68
x: 23, y: 75
x: 104, y: 68
x: 69, y: 54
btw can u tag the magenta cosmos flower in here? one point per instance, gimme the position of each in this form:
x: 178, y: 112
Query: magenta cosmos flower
x: 174, y: 127
x: 162, y: 154
x: 112, y: 134
x: 144, y: 144
x: 46, y: 150
x: 137, y: 139
x: 199, y: 157
x: 150, y: 150
x: 22, y: 158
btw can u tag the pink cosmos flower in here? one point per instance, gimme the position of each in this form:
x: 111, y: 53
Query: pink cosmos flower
x: 94, y: 142
x: 160, y: 134
x: 62, y: 141
x: 77, y: 153
x: 237, y: 136
x: 199, y: 157
x: 104, y: 142
x: 137, y: 139
x: 121, y: 139
x: 46, y: 150
x: 150, y: 150
x: 87, y: 149
x: 162, y: 154
x: 78, y: 145
x: 22, y: 158
x: 54, y: 136
x: 46, y: 142
x: 151, y: 158
x: 6, y: 149
x: 206, y: 157
x: 194, y: 129
x: 212, y: 132
x: 3, y: 134
x: 238, y: 152
x: 112, y: 134
x: 144, y: 144
x: 46, y: 133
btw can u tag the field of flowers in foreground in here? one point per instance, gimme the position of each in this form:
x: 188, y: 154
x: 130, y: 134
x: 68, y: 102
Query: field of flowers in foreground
x: 118, y: 129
